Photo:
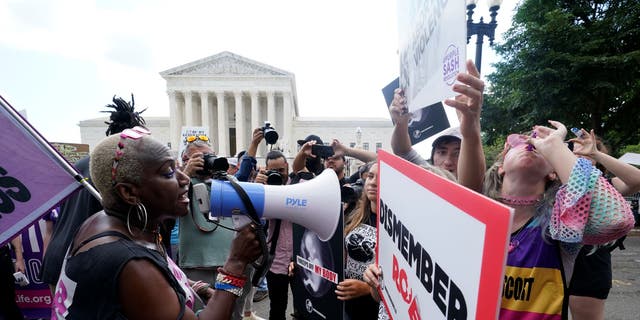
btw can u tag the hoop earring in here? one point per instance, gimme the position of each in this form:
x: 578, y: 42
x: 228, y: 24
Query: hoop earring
x: 141, y: 215
x: 128, y: 221
x: 141, y: 212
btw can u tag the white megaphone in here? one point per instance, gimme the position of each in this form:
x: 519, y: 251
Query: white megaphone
x: 314, y: 205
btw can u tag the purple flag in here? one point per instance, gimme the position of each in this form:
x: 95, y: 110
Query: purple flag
x: 33, y: 177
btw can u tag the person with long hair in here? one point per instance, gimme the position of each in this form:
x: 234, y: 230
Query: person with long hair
x: 116, y: 266
x: 360, y: 245
x: 560, y: 202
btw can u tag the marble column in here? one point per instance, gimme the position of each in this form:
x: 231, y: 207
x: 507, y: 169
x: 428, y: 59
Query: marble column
x: 175, y: 120
x: 188, y: 108
x: 287, y: 115
x: 255, y: 116
x: 204, y: 111
x: 271, y: 109
x: 240, y: 127
x: 255, y: 111
x: 223, y: 130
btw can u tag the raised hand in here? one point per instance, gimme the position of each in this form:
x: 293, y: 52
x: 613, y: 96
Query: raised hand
x: 468, y: 102
x: 398, y: 108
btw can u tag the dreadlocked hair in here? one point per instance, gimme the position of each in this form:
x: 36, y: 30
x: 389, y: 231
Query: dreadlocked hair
x: 123, y: 117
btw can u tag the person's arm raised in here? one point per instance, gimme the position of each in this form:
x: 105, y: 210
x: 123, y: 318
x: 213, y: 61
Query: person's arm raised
x: 400, y: 140
x: 301, y: 158
x: 360, y: 154
x: 468, y: 104
x: 257, y: 137
x: 550, y: 143
x: 627, y: 177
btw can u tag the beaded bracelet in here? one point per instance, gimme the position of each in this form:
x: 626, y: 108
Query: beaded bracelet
x: 228, y: 282
x: 235, y: 279
x: 237, y: 291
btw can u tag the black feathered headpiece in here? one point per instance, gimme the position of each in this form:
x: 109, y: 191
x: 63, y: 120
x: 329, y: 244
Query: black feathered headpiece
x: 123, y: 116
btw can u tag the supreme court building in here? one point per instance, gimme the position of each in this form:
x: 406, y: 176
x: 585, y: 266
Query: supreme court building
x: 231, y: 95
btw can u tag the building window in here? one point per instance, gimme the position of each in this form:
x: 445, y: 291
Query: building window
x: 352, y: 144
x: 365, y: 146
x: 378, y: 145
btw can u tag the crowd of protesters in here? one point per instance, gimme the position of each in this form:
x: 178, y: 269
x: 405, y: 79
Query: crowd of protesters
x: 146, y: 251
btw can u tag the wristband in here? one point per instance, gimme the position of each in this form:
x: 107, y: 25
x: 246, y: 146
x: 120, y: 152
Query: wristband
x: 237, y: 291
x: 225, y: 277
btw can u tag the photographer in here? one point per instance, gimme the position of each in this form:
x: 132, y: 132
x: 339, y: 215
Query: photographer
x: 204, y: 246
x: 280, y: 238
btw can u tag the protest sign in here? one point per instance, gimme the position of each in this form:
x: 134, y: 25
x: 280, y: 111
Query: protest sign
x: 433, y: 39
x: 72, y: 151
x: 425, y: 122
x: 319, y: 269
x: 33, y: 177
x: 441, y: 247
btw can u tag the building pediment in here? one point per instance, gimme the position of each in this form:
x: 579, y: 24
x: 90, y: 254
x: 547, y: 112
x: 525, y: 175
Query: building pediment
x: 225, y: 64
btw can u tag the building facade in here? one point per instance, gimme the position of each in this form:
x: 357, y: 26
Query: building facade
x: 232, y: 95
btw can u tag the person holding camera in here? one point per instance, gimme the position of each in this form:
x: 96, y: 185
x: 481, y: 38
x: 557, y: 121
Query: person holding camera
x: 280, y: 238
x: 203, y: 245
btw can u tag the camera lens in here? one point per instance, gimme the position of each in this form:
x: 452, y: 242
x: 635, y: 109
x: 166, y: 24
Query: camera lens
x: 270, y: 135
x: 213, y: 164
x: 274, y: 178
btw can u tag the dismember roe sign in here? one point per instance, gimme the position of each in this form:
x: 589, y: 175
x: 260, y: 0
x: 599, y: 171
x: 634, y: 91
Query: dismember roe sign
x: 441, y: 247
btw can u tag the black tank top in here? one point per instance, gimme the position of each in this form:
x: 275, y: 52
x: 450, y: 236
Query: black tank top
x: 88, y: 285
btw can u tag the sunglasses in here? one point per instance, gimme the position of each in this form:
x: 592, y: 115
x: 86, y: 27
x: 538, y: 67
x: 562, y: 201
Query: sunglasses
x: 515, y: 140
x: 134, y: 133
x: 190, y: 139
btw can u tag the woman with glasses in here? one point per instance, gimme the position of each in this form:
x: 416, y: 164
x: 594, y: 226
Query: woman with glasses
x: 561, y: 202
x: 116, y: 266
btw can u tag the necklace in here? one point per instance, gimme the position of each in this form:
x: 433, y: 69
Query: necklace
x: 514, y: 241
x: 520, y: 201
x: 157, y: 237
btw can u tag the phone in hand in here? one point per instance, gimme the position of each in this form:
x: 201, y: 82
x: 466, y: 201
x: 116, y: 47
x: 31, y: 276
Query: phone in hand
x: 21, y: 279
x: 322, y: 151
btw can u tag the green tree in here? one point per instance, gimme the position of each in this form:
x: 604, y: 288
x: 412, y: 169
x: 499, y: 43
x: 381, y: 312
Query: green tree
x: 577, y: 62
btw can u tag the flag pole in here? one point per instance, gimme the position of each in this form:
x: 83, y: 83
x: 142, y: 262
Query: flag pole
x: 43, y: 142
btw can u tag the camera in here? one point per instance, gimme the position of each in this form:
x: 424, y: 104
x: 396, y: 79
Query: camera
x: 322, y: 151
x: 213, y: 164
x: 274, y: 178
x: 270, y: 134
x: 352, y: 192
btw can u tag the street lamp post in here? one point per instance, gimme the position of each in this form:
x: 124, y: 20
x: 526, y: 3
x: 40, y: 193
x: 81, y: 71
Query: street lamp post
x: 481, y: 29
x: 354, y: 163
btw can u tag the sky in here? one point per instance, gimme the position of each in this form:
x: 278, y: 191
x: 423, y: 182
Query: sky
x: 63, y: 60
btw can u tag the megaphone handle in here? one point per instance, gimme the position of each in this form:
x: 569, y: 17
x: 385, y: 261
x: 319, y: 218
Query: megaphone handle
x: 263, y: 263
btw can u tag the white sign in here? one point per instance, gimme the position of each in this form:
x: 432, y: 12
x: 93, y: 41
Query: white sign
x: 433, y: 39
x: 441, y: 247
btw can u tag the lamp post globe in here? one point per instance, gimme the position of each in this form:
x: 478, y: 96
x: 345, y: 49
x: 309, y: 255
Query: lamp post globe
x: 481, y: 29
